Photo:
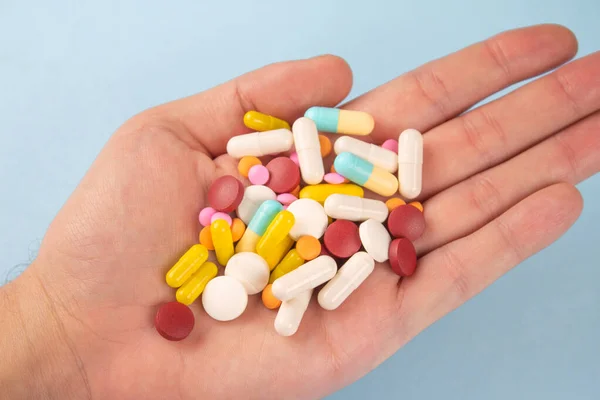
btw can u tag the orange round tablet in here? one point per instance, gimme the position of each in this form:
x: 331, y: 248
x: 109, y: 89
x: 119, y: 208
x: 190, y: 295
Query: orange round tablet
x: 325, y: 145
x: 416, y: 204
x: 206, y: 238
x: 270, y: 301
x: 393, y: 203
x: 296, y: 192
x: 237, y: 229
x: 246, y: 163
x: 332, y: 169
x: 308, y: 247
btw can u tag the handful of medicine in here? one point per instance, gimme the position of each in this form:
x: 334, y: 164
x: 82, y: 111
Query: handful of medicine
x: 296, y: 227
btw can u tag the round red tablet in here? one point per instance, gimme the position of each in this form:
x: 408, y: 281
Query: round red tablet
x: 406, y: 221
x: 403, y: 257
x: 285, y: 175
x: 225, y: 193
x: 174, y: 321
x: 342, y: 239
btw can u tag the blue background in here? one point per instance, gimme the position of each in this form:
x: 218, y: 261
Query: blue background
x: 72, y: 71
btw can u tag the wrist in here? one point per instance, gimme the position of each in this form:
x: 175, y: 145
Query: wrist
x: 39, y: 359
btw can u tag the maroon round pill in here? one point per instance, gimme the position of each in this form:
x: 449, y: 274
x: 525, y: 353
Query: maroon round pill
x: 174, y: 321
x: 285, y: 175
x: 403, y: 257
x: 225, y: 193
x: 342, y: 239
x: 406, y: 221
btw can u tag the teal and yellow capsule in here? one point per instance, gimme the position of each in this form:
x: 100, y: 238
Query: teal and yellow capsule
x: 194, y: 286
x: 336, y: 120
x: 186, y: 265
x: 274, y: 256
x: 270, y: 246
x: 259, y: 223
x: 365, y: 174
x: 262, y: 122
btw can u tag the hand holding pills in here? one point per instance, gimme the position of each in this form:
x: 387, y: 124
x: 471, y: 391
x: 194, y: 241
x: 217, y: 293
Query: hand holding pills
x: 149, y: 281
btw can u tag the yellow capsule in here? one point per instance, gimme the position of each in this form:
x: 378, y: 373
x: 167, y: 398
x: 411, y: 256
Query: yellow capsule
x: 290, y: 262
x: 277, y: 230
x: 321, y: 192
x: 222, y: 240
x: 187, y: 265
x: 262, y: 122
x: 194, y: 286
x: 274, y: 256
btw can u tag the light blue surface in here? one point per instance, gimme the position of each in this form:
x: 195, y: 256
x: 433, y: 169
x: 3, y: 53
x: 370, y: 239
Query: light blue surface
x: 72, y: 71
x: 263, y: 216
x: 325, y: 118
x: 353, y: 168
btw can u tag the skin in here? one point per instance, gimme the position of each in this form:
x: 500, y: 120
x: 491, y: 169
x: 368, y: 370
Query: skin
x: 498, y: 187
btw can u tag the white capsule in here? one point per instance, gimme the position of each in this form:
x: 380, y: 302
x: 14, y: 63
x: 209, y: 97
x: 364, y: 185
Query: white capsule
x: 260, y: 143
x: 291, y: 312
x: 347, y: 280
x: 376, y: 239
x: 224, y: 298
x: 308, y: 148
x: 410, y: 163
x: 310, y: 218
x: 376, y: 155
x: 305, y: 277
x: 254, y: 196
x: 354, y: 208
x: 250, y: 269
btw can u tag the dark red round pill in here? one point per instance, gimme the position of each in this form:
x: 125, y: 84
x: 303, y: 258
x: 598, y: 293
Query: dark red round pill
x: 342, y: 239
x: 403, y: 257
x: 174, y: 321
x: 406, y: 221
x: 225, y: 193
x: 284, y: 175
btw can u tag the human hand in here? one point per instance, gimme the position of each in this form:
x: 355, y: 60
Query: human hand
x: 498, y: 187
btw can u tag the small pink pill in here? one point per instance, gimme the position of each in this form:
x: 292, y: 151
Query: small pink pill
x: 294, y: 158
x: 285, y: 207
x: 205, y: 215
x: 391, y: 144
x: 286, y: 198
x: 334, y: 178
x: 258, y: 175
x: 220, y: 215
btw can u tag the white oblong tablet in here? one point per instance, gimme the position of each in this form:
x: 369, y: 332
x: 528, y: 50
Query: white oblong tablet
x: 347, y: 280
x: 305, y: 277
x: 250, y: 269
x: 376, y: 239
x: 310, y: 219
x: 260, y: 143
x: 291, y: 312
x: 354, y: 208
x: 376, y: 155
x: 308, y: 148
x: 224, y: 298
x: 254, y: 196
x: 410, y: 163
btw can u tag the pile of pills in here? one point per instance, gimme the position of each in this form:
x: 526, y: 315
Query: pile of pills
x: 297, y: 227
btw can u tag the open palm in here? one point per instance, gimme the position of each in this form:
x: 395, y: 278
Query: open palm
x: 497, y: 188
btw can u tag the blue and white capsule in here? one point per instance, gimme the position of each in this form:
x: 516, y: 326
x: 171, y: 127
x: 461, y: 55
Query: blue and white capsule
x: 365, y: 174
x: 341, y: 121
x: 259, y: 223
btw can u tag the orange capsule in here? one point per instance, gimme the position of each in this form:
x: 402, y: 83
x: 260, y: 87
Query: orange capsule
x: 237, y: 229
x: 325, y: 145
x: 394, y: 202
x: 417, y: 204
x: 206, y: 238
x: 268, y: 299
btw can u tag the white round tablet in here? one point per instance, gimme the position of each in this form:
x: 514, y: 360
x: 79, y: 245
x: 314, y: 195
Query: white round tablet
x: 375, y: 239
x: 310, y: 217
x: 224, y: 298
x: 250, y: 269
x: 254, y: 196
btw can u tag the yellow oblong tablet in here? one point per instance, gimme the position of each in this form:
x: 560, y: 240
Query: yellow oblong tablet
x: 262, y: 122
x: 194, y: 286
x: 290, y: 262
x: 277, y: 230
x: 222, y: 240
x: 189, y: 263
x: 321, y: 192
